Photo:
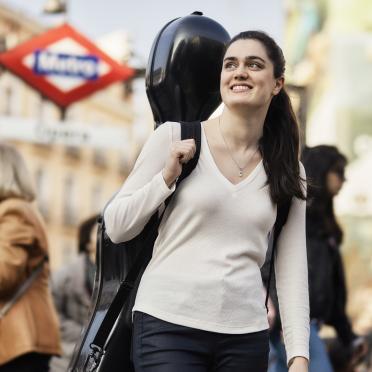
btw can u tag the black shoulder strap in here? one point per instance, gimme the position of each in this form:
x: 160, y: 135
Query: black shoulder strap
x: 281, y: 219
x: 188, y: 130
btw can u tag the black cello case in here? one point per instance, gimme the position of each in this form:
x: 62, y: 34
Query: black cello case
x: 182, y: 84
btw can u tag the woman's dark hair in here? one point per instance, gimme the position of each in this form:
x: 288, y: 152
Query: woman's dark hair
x: 279, y: 144
x: 85, y: 229
x: 318, y: 162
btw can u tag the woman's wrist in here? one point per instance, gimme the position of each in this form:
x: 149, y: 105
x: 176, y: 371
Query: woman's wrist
x: 169, y: 180
x: 298, y: 360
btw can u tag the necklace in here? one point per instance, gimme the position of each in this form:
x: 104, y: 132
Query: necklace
x: 241, y: 169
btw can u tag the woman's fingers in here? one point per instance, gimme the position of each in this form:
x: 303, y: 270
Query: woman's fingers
x: 184, y: 150
x: 180, y: 153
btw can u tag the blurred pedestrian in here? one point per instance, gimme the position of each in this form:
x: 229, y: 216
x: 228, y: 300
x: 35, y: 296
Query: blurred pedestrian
x: 29, y: 333
x: 200, y: 305
x: 72, y: 287
x: 325, y: 172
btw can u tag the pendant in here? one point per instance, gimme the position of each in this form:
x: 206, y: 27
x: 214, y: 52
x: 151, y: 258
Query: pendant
x: 240, y: 173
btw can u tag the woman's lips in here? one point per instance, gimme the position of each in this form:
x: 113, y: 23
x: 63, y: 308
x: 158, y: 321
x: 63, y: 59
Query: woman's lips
x: 240, y: 88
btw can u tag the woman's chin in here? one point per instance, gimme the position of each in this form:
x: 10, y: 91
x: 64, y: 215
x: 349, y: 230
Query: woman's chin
x: 241, y: 104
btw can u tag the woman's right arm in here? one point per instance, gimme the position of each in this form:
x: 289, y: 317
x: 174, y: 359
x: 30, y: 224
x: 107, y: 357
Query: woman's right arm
x: 149, y: 184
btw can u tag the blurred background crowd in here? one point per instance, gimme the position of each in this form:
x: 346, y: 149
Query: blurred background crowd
x: 328, y: 47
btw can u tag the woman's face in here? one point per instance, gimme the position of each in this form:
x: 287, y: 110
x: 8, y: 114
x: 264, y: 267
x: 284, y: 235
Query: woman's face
x: 334, y: 182
x: 247, y: 76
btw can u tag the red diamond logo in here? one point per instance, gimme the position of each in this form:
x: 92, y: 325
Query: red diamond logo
x: 64, y: 65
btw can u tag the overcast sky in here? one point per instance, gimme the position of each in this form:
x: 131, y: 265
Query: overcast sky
x: 143, y: 19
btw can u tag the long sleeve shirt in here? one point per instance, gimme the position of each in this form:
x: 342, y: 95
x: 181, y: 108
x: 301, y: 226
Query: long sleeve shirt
x: 212, y: 241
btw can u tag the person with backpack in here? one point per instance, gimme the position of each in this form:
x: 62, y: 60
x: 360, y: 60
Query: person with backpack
x: 200, y: 305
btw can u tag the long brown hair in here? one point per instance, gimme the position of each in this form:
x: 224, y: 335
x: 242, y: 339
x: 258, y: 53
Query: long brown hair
x: 279, y: 145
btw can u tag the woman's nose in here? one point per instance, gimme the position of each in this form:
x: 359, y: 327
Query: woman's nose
x: 241, y: 73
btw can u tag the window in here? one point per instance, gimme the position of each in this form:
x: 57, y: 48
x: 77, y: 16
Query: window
x: 70, y: 205
x: 42, y: 191
x: 124, y: 165
x: 97, y: 198
x: 127, y: 90
x: 72, y: 152
x: 99, y: 158
x: 2, y: 43
x: 8, y: 94
x: 12, y: 97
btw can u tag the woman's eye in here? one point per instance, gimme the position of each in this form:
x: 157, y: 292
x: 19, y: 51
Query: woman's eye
x: 229, y: 65
x: 254, y: 65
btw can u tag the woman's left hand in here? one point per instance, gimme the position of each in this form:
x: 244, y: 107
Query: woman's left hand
x: 299, y: 364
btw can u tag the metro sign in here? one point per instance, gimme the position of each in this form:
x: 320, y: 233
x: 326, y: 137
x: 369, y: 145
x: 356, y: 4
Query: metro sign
x: 63, y: 65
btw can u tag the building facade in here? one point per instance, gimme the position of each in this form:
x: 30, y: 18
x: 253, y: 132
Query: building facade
x: 329, y: 53
x: 74, y: 176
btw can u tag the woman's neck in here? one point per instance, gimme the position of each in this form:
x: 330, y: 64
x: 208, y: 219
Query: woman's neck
x: 242, y: 130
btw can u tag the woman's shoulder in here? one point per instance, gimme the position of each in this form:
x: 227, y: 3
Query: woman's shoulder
x: 163, y: 136
x: 169, y: 129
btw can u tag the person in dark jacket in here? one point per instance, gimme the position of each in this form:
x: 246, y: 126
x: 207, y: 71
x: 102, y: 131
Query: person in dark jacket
x: 72, y: 288
x: 325, y: 169
x: 325, y: 166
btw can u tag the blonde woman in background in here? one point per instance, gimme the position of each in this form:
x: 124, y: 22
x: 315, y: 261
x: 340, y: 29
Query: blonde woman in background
x: 29, y: 333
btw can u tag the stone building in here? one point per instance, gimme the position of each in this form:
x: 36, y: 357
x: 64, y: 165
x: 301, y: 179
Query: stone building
x: 74, y: 176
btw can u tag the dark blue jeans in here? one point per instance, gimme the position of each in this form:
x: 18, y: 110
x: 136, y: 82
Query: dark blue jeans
x: 319, y: 359
x: 160, y: 346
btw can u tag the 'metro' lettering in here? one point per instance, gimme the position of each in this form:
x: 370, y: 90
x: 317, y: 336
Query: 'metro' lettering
x: 69, y: 65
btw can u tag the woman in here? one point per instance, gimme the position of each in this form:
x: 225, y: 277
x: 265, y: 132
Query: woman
x: 29, y: 329
x: 325, y: 168
x: 200, y: 303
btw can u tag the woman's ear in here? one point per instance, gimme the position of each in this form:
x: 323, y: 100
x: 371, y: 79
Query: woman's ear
x: 279, y: 82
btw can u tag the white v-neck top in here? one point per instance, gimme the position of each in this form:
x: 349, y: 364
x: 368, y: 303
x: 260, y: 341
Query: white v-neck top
x: 213, y: 238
